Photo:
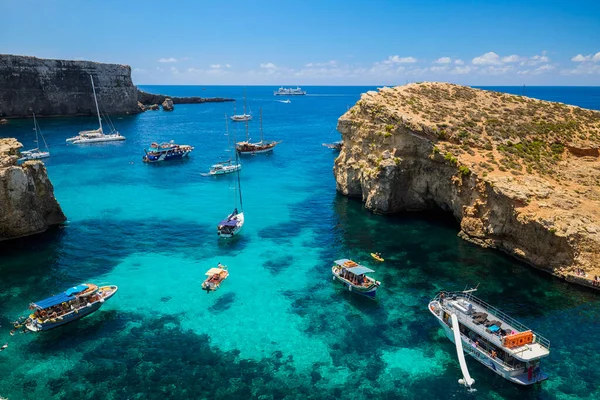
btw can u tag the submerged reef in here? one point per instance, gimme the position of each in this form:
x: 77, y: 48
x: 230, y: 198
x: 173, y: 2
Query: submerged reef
x: 519, y: 174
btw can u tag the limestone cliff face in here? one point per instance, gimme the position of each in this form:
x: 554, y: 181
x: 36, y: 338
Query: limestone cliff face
x: 60, y: 87
x: 519, y: 174
x: 27, y: 203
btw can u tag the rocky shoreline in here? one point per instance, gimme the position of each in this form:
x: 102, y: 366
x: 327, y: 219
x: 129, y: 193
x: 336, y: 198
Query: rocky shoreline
x: 27, y: 202
x: 53, y: 88
x: 519, y: 174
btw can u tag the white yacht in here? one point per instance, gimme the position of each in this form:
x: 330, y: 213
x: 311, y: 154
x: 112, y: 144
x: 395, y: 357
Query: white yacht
x: 289, y: 92
x: 491, y: 337
x: 241, y: 117
x: 36, y: 154
x: 96, y: 135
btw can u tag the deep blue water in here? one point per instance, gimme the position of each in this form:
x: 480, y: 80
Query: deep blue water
x: 278, y: 327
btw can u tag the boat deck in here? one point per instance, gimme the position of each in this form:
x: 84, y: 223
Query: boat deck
x: 470, y: 311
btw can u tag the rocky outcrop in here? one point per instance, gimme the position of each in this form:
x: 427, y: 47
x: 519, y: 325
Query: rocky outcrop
x: 149, y: 98
x: 27, y: 203
x: 519, y: 174
x: 60, y: 87
x: 167, y: 105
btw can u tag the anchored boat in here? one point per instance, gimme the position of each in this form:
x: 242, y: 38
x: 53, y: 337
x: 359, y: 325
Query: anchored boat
x: 241, y: 117
x: 96, y: 135
x: 36, y: 154
x: 166, y: 152
x: 353, y: 275
x: 229, y: 166
x: 263, y: 146
x: 231, y: 225
x: 215, y: 277
x: 491, y: 337
x: 68, y: 306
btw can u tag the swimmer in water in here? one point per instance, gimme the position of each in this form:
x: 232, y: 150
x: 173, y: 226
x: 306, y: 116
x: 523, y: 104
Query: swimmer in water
x: 4, y: 347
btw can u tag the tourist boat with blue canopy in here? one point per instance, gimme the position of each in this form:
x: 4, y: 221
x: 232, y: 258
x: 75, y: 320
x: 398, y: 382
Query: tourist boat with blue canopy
x: 166, y: 152
x: 488, y: 335
x: 68, y: 306
x: 353, y: 276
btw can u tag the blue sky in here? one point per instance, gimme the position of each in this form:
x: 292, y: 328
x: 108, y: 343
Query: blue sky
x: 370, y: 42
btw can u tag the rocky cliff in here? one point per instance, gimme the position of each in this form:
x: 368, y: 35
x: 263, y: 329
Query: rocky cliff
x: 519, y: 174
x: 27, y: 203
x: 149, y: 99
x: 59, y: 87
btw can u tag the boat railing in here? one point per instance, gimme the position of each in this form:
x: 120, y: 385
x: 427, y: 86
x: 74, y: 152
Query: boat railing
x: 496, y: 312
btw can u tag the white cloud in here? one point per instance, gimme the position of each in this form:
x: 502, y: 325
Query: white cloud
x: 542, y: 69
x: 589, y: 57
x: 167, y: 60
x: 400, y: 60
x: 227, y: 65
x: 461, y: 70
x: 330, y: 63
x: 511, y: 59
x: 459, y: 62
x: 219, y: 66
x: 439, y: 69
x: 489, y: 58
x: 535, y: 60
x: 268, y: 66
x: 174, y: 70
x: 443, y: 60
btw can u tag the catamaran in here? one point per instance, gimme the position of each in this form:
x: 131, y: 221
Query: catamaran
x: 96, y: 135
x: 232, y: 225
x: 229, y: 166
x: 68, y: 306
x: 36, y: 154
x: 353, y: 275
x: 255, y: 148
x: 491, y: 337
x: 241, y: 117
x: 289, y: 92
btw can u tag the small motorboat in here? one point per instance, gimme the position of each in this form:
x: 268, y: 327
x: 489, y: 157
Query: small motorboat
x: 377, y: 256
x: 68, y: 306
x: 353, y: 275
x: 215, y: 277
x: 337, y: 146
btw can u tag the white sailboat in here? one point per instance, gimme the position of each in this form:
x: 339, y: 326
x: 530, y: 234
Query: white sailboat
x: 96, y: 135
x: 36, y: 154
x: 229, y: 166
x: 255, y: 148
x: 241, y: 117
x: 232, y: 225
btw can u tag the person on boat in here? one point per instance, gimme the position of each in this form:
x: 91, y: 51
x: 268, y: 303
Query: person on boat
x: 378, y: 255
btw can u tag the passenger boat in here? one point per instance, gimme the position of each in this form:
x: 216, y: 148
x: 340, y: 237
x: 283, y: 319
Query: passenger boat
x: 215, y: 277
x: 166, y: 152
x: 68, y: 306
x: 96, y: 135
x: 352, y: 275
x: 289, y: 92
x: 491, y: 337
x: 263, y: 146
x: 335, y: 145
x: 36, y: 154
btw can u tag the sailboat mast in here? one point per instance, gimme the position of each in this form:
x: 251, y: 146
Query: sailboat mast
x: 35, y: 127
x: 261, y: 130
x: 239, y: 184
x: 96, y: 101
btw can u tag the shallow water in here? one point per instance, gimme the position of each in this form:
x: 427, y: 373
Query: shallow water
x: 278, y: 327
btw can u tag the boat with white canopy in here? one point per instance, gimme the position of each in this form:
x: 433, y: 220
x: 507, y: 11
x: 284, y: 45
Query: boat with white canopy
x: 353, y: 276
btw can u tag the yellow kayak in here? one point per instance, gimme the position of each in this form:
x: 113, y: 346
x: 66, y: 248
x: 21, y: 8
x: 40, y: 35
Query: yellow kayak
x: 375, y: 256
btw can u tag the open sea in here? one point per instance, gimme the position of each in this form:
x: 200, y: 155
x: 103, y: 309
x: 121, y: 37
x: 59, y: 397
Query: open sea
x: 278, y: 327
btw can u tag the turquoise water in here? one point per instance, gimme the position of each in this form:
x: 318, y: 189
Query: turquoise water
x: 278, y: 327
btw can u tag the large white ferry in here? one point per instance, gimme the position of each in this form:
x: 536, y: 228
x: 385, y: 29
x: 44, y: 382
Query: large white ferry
x: 289, y: 92
x: 491, y: 337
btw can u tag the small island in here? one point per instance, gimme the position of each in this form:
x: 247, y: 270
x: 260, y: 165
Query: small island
x: 519, y: 174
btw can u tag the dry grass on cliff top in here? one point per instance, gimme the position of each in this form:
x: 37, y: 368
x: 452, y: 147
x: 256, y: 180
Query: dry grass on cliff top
x: 493, y: 131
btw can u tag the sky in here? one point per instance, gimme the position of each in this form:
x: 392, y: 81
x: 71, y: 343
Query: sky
x: 309, y: 42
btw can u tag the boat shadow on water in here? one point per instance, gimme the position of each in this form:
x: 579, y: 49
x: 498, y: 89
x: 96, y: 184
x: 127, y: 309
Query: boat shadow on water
x: 169, y: 163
